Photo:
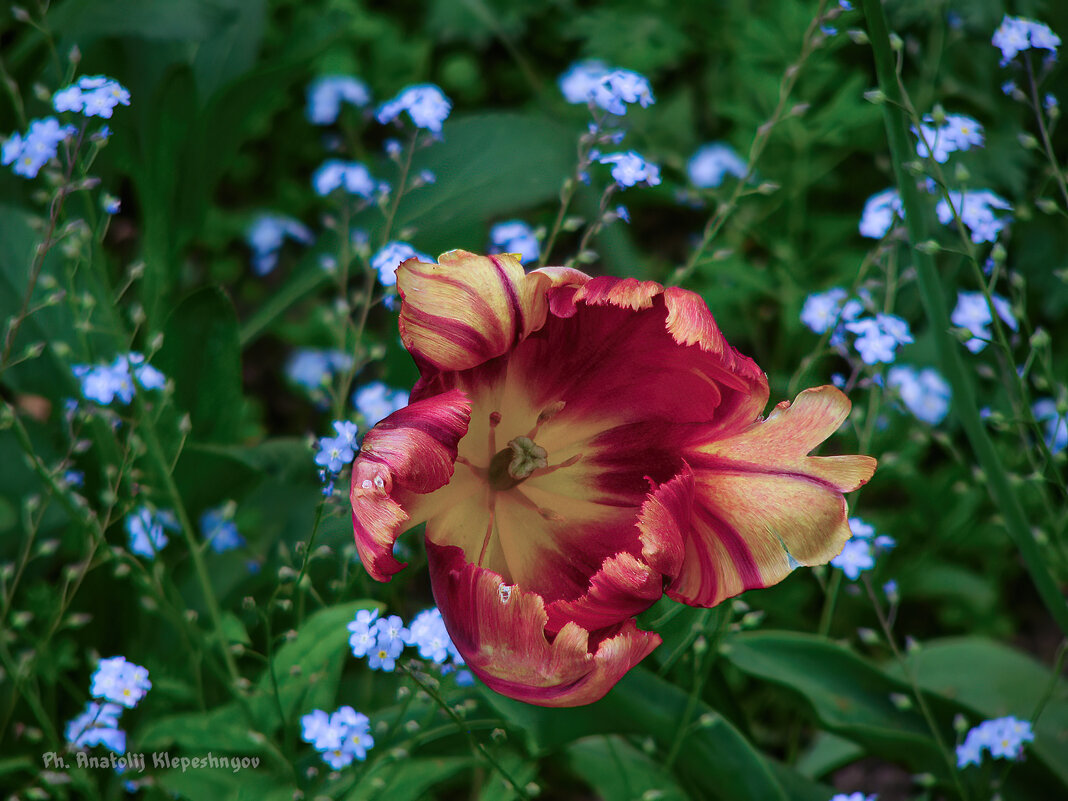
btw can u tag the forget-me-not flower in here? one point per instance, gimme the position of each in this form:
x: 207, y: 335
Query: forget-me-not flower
x: 515, y: 236
x: 712, y: 163
x: 426, y: 104
x: 120, y: 682
x: 326, y: 93
x: 376, y: 401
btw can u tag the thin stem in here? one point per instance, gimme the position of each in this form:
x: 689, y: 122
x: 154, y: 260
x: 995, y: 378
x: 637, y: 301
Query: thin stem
x: 1046, y: 143
x: 756, y: 149
x: 476, y: 746
x: 928, y: 716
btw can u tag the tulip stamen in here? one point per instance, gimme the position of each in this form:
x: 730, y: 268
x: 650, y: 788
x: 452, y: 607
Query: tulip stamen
x: 489, y: 528
x: 516, y: 463
x: 544, y: 471
x: 547, y: 414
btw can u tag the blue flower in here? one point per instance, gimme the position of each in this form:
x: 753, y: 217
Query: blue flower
x: 120, y: 682
x: 973, y: 313
x: 334, y: 453
x: 312, y: 368
x: 579, y: 83
x: 363, y: 636
x: 925, y: 393
x: 1016, y: 34
x: 1003, y: 737
x: 1045, y: 410
x: 340, y: 737
x: 822, y: 310
x: 97, y: 725
x: 111, y: 205
x: 390, y: 637
x: 426, y: 104
x: 31, y: 152
x: 976, y: 210
x: 629, y: 169
x: 713, y: 162
x: 326, y: 93
x: 376, y: 401
x: 92, y: 95
x: 267, y: 233
x: 515, y: 236
x: 145, y: 531
x: 218, y: 528
x: 74, y: 478
x: 957, y: 133
x: 878, y: 337
x: 858, y: 796
x: 389, y: 257
x: 879, y: 213
x: 427, y: 633
x: 855, y: 558
x: 614, y: 91
x: 354, y: 177
x: 104, y: 383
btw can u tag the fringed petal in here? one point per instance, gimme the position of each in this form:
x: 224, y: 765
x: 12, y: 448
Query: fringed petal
x: 500, y: 632
x: 762, y: 500
x: 407, y: 456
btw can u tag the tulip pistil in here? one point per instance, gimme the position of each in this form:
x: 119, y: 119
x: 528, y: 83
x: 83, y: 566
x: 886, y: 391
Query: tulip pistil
x: 517, y: 462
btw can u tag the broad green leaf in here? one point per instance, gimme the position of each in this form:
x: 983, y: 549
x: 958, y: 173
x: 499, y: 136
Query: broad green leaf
x: 223, y: 729
x: 411, y: 779
x: 714, y: 756
x: 488, y: 167
x: 826, y: 753
x: 201, y: 353
x: 849, y: 695
x: 617, y: 771
x: 191, y: 20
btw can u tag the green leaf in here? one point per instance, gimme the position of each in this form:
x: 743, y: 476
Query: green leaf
x: 202, y: 354
x: 715, y: 756
x: 192, y: 20
x: 489, y: 166
x: 308, y: 668
x: 223, y: 729
x: 849, y: 695
x: 618, y: 771
x: 411, y: 779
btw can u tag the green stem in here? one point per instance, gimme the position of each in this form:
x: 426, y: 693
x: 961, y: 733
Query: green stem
x: 964, y: 403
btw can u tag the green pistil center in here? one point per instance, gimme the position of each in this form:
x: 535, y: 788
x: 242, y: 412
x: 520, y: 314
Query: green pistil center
x: 516, y: 463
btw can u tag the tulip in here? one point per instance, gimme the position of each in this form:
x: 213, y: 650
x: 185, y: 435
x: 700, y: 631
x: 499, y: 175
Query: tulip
x: 578, y: 447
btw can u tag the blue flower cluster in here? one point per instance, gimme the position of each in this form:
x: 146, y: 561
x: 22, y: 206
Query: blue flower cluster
x: 267, y: 233
x: 341, y: 736
x: 861, y: 548
x: 38, y: 147
x: 355, y: 178
x: 515, y: 236
x: 857, y: 796
x: 382, y: 640
x: 924, y: 392
x: 956, y: 133
x: 1016, y: 34
x: 119, y: 684
x: 390, y: 256
x: 93, y: 96
x: 973, y: 313
x: 146, y: 530
x: 313, y: 369
x: 336, y: 452
x: 1004, y: 738
x: 104, y: 383
x: 426, y: 104
x: 326, y: 93
x: 376, y: 402
x: 877, y: 338
x: 712, y: 163
x: 880, y: 211
x: 218, y: 527
x: 976, y: 209
x: 613, y: 90
x: 630, y: 169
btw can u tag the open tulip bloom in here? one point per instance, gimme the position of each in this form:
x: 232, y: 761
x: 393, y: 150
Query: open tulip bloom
x: 577, y: 447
